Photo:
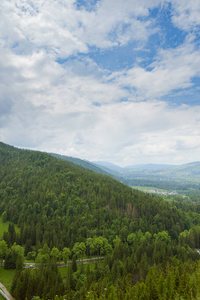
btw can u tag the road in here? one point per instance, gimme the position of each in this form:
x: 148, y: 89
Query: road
x: 6, y: 291
x: 78, y: 262
x: 84, y: 261
x: 62, y: 264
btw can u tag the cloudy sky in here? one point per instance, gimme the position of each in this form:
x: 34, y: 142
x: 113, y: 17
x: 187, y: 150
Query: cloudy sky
x: 111, y: 80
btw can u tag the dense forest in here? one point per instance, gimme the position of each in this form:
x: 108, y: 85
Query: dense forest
x: 66, y: 212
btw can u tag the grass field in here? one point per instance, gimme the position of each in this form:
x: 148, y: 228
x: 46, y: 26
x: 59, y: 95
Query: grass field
x: 4, y: 227
x: 148, y: 188
x: 6, y: 277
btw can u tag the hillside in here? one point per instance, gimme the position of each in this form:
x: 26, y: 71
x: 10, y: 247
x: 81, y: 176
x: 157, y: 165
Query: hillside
x: 37, y: 188
x: 108, y: 166
x: 66, y: 212
x: 82, y: 163
x: 185, y: 179
x: 41, y: 191
x: 190, y: 171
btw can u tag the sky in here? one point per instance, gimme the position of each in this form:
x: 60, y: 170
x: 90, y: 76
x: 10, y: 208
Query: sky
x: 102, y: 80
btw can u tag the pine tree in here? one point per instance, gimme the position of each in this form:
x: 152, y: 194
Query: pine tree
x: 74, y: 265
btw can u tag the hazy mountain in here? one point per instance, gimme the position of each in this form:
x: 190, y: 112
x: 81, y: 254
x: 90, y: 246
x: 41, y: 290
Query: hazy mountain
x: 108, y: 165
x: 187, y: 171
x: 190, y: 171
x: 148, y: 167
x: 111, y: 169
x: 82, y: 163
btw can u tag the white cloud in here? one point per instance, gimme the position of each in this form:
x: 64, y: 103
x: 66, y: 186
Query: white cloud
x: 122, y: 132
x: 74, y: 108
x: 186, y: 14
x: 172, y: 70
x: 36, y: 25
x: 116, y: 23
x: 59, y: 28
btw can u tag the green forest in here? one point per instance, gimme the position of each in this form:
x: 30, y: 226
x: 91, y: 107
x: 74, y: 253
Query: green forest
x: 58, y: 211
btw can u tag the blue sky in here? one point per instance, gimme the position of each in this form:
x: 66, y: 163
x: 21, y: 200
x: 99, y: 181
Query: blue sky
x: 111, y: 80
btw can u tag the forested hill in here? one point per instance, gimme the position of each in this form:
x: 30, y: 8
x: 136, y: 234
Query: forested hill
x: 65, y: 211
x: 82, y: 163
x: 59, y: 203
x: 66, y: 203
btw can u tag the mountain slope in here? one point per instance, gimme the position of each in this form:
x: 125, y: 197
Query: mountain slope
x: 107, y: 165
x: 146, y: 242
x: 189, y: 171
x: 82, y: 163
x: 57, y: 202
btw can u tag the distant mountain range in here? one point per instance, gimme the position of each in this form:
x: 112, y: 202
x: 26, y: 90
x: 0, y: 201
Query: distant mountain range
x: 159, y: 172
x: 149, y: 167
x: 190, y: 171
x: 139, y: 167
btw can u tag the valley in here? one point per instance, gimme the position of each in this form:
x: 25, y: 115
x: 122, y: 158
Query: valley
x: 54, y: 210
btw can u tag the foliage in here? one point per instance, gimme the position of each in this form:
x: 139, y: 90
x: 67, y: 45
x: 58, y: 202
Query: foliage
x: 46, y: 282
x: 65, y: 212
x: 6, y: 277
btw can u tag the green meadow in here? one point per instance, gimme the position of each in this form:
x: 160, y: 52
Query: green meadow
x: 147, y: 188
x: 4, y: 227
x: 6, y: 277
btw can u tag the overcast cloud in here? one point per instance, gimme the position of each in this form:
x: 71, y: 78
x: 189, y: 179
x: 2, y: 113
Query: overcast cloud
x: 102, y: 80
